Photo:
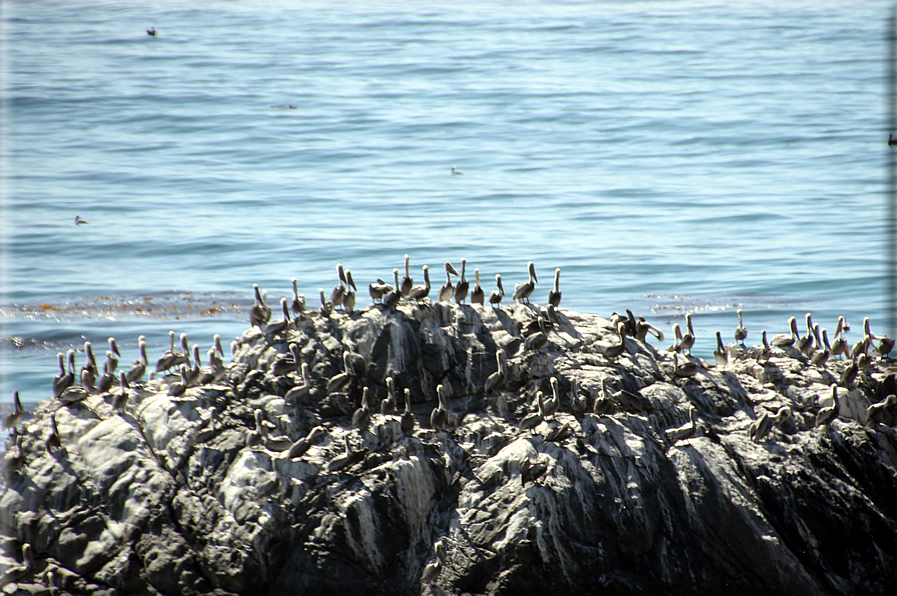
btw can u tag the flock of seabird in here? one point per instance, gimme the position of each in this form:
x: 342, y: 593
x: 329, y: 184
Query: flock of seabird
x: 72, y: 387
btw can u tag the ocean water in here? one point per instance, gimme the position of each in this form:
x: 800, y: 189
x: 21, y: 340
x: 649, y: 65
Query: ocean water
x: 669, y: 157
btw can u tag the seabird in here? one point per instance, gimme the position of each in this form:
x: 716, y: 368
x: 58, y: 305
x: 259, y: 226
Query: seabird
x: 12, y: 419
x: 840, y: 346
x: 720, y: 355
x: 849, y: 375
x: 686, y: 369
x: 496, y: 295
x: 300, y: 392
x: 379, y: 289
x: 626, y: 399
x: 300, y: 447
x: 362, y: 415
x: 349, y: 297
x: 763, y: 354
x: 761, y: 427
x: 552, y: 405
x: 91, y: 364
x: 463, y: 285
x: 536, y: 340
x: 77, y: 393
x: 407, y: 282
x: 828, y: 415
x: 67, y: 379
x: 278, y: 326
x: 208, y: 428
x: 79, y: 221
x: 391, y: 299
x: 346, y: 458
x: 643, y: 328
x: 533, y: 420
x: 298, y: 304
x: 151, y: 31
x: 434, y: 568
x: 448, y: 290
x: 121, y: 400
x: 285, y: 364
x: 407, y: 415
x: 108, y: 379
x: 805, y: 342
x: 338, y: 381
x: 178, y: 388
x: 456, y: 172
x: 259, y: 313
x: 477, y: 295
x: 439, y: 415
x: 784, y: 339
x: 554, y: 296
x: 613, y: 352
x: 388, y: 404
x: 420, y: 292
x: 688, y: 337
x: 524, y: 290
x: 138, y: 367
x: 13, y: 459
x: 677, y: 338
x: 326, y: 307
x: 821, y: 356
x: 875, y: 412
x: 740, y: 331
x: 53, y: 440
x: 498, y: 377
x: 781, y: 417
x: 579, y: 404
x: 336, y: 295
x: 530, y: 471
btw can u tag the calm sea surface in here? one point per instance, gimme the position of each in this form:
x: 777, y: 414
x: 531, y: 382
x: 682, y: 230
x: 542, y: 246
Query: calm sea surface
x: 669, y: 157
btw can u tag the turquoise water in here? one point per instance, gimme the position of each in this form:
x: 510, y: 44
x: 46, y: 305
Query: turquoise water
x: 669, y: 157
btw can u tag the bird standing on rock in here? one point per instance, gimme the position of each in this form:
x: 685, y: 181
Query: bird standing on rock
x: 828, y: 415
x: 407, y: 282
x: 740, y: 331
x: 439, y: 415
x: 463, y: 284
x: 448, y: 290
x: 496, y: 295
x: 524, y: 290
x: 554, y: 296
x: 477, y: 295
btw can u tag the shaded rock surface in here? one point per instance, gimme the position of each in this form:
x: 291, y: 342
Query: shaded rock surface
x: 630, y: 500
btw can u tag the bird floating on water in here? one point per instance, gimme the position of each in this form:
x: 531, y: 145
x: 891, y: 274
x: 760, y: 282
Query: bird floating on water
x: 79, y: 221
x: 456, y: 172
x: 151, y: 31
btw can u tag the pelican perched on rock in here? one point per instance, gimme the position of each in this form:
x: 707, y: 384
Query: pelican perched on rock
x: 805, y: 342
x: 876, y: 412
x: 278, y: 326
x: 524, y: 290
x: 463, y: 285
x: 326, y: 306
x: 300, y: 392
x: 688, y: 337
x: 434, y: 568
x: 54, y: 441
x: 138, y: 367
x: 720, y: 355
x: 259, y: 314
x: 300, y: 447
x: 828, y: 415
x: 685, y: 369
x: 298, y: 304
x: 448, y: 290
x: 407, y: 415
x: 533, y: 420
x: 554, y: 296
x: 338, y: 291
x: 763, y: 353
x: 477, y: 295
x: 12, y: 419
x: 407, y: 282
x: 740, y: 331
x: 380, y: 288
x: 420, y: 292
x: 839, y: 343
x: 552, y: 404
x: 439, y: 415
x: 497, y: 378
x: 349, y: 296
x: 784, y: 339
x: 496, y: 295
x: 388, y: 404
x: 67, y: 379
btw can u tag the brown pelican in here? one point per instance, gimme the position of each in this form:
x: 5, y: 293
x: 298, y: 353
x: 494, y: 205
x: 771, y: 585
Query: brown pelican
x: 151, y: 31
x: 761, y: 427
x: 805, y: 342
x: 554, y: 296
x: 434, y: 568
x: 12, y: 419
x: 58, y: 378
x: 688, y: 338
x: 524, y: 290
x: 763, y: 354
x: 284, y: 364
x: 53, y: 440
x: 456, y: 172
x: 740, y: 331
x: 579, y: 404
x: 885, y: 345
x: 13, y: 461
x: 77, y: 393
x: 407, y: 415
x: 626, y: 399
x: 326, y: 307
x: 784, y: 339
x: 388, y: 404
x: 720, y: 355
x: 613, y: 352
x: 876, y: 412
x: 677, y: 335
x: 496, y: 295
x: 643, y: 328
x: 439, y: 415
x: 278, y: 326
x: 208, y: 427
x: 336, y: 295
x: 178, y: 388
x: 533, y: 420
x: 300, y: 447
x: 346, y: 458
x: 349, y: 297
x: 338, y: 381
x: 840, y: 346
x: 477, y: 295
x: 686, y: 369
x: 91, y: 359
x: 67, y: 379
x: 828, y: 415
x: 530, y: 471
x: 536, y: 340
x: 108, y: 379
x: 552, y: 405
x: 121, y: 400
x: 138, y: 367
x: 379, y: 289
x: 113, y: 347
x: 849, y: 374
x: 259, y: 314
x: 463, y: 285
x: 420, y: 292
x: 300, y: 392
x: 407, y: 282
x: 391, y: 299
x: 821, y: 356
x: 298, y: 304
x: 498, y: 377
x: 781, y: 417
x: 686, y: 431
x: 448, y: 290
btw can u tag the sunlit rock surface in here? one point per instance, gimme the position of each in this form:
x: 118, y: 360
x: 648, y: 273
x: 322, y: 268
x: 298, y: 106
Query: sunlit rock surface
x: 626, y: 497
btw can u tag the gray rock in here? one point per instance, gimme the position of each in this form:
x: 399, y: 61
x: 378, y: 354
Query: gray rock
x: 635, y: 500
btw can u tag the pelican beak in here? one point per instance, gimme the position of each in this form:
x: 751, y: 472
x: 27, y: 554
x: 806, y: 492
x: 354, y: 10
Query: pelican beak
x: 451, y: 269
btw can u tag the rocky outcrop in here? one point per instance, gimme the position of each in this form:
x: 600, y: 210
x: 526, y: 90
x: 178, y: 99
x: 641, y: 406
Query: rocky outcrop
x: 646, y: 480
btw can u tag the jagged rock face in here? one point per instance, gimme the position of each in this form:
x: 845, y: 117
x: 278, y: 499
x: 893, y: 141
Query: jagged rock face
x: 632, y: 499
